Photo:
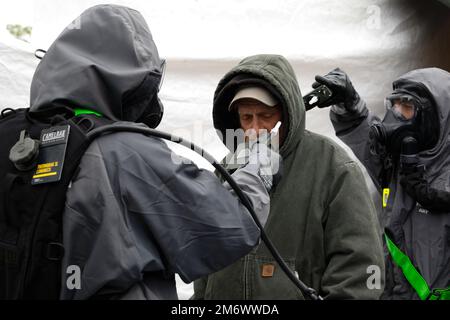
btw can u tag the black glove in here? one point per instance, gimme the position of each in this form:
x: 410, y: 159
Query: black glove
x: 344, y: 94
x: 417, y: 187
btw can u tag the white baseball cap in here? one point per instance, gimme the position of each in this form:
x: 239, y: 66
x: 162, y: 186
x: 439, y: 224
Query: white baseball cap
x: 256, y: 93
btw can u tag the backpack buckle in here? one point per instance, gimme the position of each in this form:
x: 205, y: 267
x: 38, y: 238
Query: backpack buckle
x: 55, y: 251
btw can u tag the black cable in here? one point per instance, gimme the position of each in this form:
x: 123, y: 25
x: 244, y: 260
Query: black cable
x: 310, y: 292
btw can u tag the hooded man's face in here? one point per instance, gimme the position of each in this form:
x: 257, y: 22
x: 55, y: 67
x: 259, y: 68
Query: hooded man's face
x: 255, y: 116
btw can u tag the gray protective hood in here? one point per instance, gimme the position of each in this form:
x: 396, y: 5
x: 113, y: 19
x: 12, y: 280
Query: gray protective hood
x: 437, y: 83
x: 108, y: 64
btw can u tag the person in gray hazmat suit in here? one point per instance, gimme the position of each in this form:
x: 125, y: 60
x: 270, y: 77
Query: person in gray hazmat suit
x: 408, y: 158
x: 136, y: 214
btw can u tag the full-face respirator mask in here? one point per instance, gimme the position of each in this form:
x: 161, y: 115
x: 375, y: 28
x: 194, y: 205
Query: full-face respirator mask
x: 403, y: 120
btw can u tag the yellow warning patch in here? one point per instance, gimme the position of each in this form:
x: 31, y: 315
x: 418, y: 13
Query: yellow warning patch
x: 51, y: 174
x: 47, y: 165
x: 386, y: 194
x: 46, y: 170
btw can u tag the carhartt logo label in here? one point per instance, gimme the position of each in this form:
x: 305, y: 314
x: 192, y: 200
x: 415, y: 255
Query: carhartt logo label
x: 268, y: 270
x: 51, y: 136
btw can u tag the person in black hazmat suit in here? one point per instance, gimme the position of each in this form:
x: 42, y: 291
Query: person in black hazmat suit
x: 136, y: 214
x: 408, y: 157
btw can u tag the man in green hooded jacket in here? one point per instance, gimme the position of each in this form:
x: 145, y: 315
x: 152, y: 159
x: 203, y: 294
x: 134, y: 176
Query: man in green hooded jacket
x: 322, y: 219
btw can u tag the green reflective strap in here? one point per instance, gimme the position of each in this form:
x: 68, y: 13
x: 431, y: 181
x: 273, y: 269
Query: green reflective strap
x: 440, y: 294
x: 82, y: 112
x: 409, y: 271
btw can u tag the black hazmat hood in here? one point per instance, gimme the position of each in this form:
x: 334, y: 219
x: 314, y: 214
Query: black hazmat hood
x: 109, y: 64
x: 436, y: 82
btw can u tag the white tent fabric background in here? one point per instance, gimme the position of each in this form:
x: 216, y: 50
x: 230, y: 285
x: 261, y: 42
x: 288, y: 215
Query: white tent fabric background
x: 17, y: 64
x: 374, y: 41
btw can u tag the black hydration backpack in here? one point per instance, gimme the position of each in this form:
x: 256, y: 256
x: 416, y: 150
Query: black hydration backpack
x: 31, y: 209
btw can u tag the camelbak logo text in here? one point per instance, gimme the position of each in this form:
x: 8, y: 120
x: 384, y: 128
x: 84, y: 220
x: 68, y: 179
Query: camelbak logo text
x: 51, y: 136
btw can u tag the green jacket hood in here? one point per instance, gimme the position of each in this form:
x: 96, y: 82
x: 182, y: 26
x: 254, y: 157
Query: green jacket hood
x: 276, y: 74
